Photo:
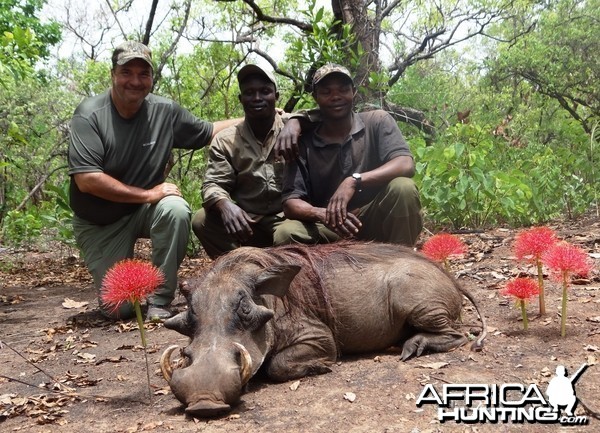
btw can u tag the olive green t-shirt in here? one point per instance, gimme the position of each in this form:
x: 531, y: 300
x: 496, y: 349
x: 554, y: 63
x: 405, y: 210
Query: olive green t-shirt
x: 134, y: 151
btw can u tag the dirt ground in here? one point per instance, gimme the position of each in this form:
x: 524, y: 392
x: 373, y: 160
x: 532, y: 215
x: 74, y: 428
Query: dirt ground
x: 65, y: 369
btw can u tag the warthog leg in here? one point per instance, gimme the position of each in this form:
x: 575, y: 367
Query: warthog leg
x: 421, y: 342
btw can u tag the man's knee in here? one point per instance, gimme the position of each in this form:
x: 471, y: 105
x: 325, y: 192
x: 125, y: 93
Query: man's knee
x: 285, y: 233
x: 402, y: 194
x: 403, y: 187
x: 175, y: 210
x: 199, y: 222
x: 300, y: 232
x: 294, y: 231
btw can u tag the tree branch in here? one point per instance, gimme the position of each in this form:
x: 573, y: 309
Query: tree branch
x: 149, y: 22
x: 169, y: 51
x: 37, y: 187
x: 411, y: 116
x: 261, y: 16
x: 114, y: 14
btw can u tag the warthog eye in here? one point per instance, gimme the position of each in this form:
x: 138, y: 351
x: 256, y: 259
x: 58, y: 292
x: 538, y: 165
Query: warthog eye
x: 251, y: 315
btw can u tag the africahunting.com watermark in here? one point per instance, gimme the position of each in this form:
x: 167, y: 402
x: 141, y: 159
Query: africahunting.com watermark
x: 507, y: 403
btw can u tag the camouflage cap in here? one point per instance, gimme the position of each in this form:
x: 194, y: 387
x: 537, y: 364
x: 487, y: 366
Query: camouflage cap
x: 130, y: 50
x: 248, y: 70
x: 330, y: 68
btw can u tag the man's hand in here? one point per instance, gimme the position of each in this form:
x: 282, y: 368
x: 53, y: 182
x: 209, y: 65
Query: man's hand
x: 236, y: 220
x: 286, y: 145
x: 348, y: 228
x: 107, y: 187
x: 162, y: 190
x: 336, y: 213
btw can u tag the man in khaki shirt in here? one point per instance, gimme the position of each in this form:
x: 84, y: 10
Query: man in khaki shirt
x: 241, y: 191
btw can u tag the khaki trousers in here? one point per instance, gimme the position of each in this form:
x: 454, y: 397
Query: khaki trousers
x: 210, y: 230
x: 394, y: 216
x: 166, y: 224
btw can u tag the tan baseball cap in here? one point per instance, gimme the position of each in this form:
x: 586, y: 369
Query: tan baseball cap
x: 130, y: 50
x: 252, y: 69
x: 328, y: 69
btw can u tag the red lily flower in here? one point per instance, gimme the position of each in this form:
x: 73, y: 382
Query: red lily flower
x: 531, y: 244
x: 566, y: 260
x: 443, y: 245
x: 522, y: 288
x: 130, y: 280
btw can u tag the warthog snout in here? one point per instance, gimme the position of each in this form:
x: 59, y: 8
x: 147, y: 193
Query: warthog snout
x: 222, y: 384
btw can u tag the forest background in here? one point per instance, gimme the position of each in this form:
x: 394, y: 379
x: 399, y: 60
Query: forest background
x: 499, y: 99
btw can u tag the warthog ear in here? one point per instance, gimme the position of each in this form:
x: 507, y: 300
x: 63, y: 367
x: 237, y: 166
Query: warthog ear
x: 275, y: 280
x: 185, y: 287
x: 180, y: 324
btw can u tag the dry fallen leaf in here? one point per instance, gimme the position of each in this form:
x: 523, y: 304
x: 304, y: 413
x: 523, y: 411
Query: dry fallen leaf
x: 434, y: 365
x: 113, y: 359
x: 70, y: 303
x: 498, y: 275
x: 85, y: 358
x: 152, y: 426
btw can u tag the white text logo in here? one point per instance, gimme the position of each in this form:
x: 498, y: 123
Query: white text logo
x: 507, y: 403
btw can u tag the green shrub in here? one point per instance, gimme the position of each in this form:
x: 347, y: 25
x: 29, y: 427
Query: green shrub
x: 469, y: 178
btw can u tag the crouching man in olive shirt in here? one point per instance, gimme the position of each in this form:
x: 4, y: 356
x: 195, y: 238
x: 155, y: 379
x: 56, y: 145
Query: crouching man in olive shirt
x: 241, y: 191
x: 120, y: 143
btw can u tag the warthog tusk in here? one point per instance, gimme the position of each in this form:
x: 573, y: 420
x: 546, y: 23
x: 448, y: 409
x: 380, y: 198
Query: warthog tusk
x: 165, y: 362
x: 246, y: 367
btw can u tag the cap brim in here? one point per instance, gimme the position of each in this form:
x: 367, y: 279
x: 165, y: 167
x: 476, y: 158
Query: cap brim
x: 127, y: 59
x: 248, y: 70
x: 340, y: 73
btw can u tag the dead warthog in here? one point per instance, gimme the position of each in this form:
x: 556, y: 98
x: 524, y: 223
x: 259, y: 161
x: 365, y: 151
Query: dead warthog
x: 297, y: 308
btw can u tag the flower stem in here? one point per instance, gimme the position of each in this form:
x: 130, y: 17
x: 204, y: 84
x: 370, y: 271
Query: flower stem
x: 140, y: 320
x: 563, y: 318
x: 541, y: 286
x: 524, y: 314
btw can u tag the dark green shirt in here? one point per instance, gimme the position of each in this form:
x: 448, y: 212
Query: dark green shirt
x: 134, y: 151
x: 321, y: 167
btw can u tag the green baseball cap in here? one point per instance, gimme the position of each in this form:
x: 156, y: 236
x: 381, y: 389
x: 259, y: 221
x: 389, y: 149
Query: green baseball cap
x: 328, y: 69
x: 252, y: 69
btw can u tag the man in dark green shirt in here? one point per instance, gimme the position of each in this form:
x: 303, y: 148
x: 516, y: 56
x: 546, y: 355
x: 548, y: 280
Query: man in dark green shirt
x: 120, y: 144
x: 351, y: 178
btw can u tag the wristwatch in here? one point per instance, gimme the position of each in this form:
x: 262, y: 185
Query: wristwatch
x: 358, y: 178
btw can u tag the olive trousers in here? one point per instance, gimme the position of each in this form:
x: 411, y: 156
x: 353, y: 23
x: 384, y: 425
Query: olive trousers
x: 166, y: 224
x: 210, y: 230
x: 394, y: 216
